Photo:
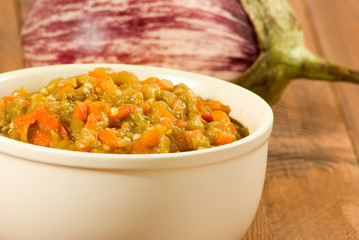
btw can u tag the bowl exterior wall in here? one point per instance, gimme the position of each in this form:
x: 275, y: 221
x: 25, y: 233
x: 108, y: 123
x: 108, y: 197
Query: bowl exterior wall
x: 41, y: 201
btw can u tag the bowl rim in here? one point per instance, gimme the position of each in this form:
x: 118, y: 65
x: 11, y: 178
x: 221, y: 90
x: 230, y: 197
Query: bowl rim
x: 47, y: 155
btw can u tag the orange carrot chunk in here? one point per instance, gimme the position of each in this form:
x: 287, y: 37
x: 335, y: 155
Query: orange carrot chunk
x: 42, y: 138
x: 101, y: 75
x: 92, y: 121
x: 166, y: 118
x: 67, y: 88
x: 219, y: 116
x: 151, y: 137
x: 146, y: 108
x: 224, y: 138
x: 80, y: 110
x: 124, y: 110
x: 25, y: 119
x: 108, y: 85
x: 163, y: 84
x: 22, y: 123
x: 84, y: 149
x: 8, y: 99
x: 150, y: 80
x: 206, y: 115
x: 108, y: 137
x: 200, y: 106
x: 45, y: 119
x: 146, y: 141
x: 217, y: 105
x: 167, y: 123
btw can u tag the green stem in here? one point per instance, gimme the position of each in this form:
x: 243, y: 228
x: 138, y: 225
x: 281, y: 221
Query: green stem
x: 271, y: 73
x: 322, y: 69
x: 283, y: 53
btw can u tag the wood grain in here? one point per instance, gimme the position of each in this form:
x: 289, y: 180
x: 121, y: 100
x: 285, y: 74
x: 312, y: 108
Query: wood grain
x: 11, y: 56
x: 341, y: 45
x: 311, y: 189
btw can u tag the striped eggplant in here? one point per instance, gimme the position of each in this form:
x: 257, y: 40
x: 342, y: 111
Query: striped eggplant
x: 257, y: 44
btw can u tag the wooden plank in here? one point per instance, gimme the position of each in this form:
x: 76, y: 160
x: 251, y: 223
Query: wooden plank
x: 323, y: 205
x: 341, y: 46
x: 10, y: 48
x: 312, y: 176
x: 308, y: 119
x: 259, y: 228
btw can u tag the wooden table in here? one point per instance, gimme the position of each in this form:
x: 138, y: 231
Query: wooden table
x: 311, y: 189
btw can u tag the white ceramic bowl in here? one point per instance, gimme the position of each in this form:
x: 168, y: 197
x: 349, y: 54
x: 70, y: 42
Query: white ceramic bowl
x: 209, y: 194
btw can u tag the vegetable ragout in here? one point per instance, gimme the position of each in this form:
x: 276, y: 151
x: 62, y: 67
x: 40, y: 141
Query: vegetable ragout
x: 105, y: 111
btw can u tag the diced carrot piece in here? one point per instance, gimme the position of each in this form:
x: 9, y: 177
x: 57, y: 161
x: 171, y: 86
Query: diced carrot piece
x: 42, y: 138
x: 88, y: 103
x: 164, y: 113
x: 166, y: 123
x: 146, y: 141
x: 92, y: 120
x: 23, y: 122
x: 108, y: 137
x: 95, y: 108
x: 166, y: 118
x: 8, y: 99
x: 98, y: 107
x: 146, y: 108
x: 150, y: 80
x: 84, y: 149
x: 108, y: 86
x: 224, y: 138
x: 80, y: 110
x: 138, y: 147
x: 124, y: 110
x: 206, y: 115
x: 45, y: 119
x: 151, y: 137
x: 200, y: 106
x: 215, y: 105
x: 219, y: 116
x: 227, y: 127
x: 163, y: 84
x: 166, y: 85
x: 67, y: 88
x: 101, y: 75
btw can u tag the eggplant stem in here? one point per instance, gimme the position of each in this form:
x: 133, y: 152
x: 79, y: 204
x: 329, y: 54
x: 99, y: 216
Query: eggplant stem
x: 270, y: 73
x: 284, y: 55
x: 321, y: 69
